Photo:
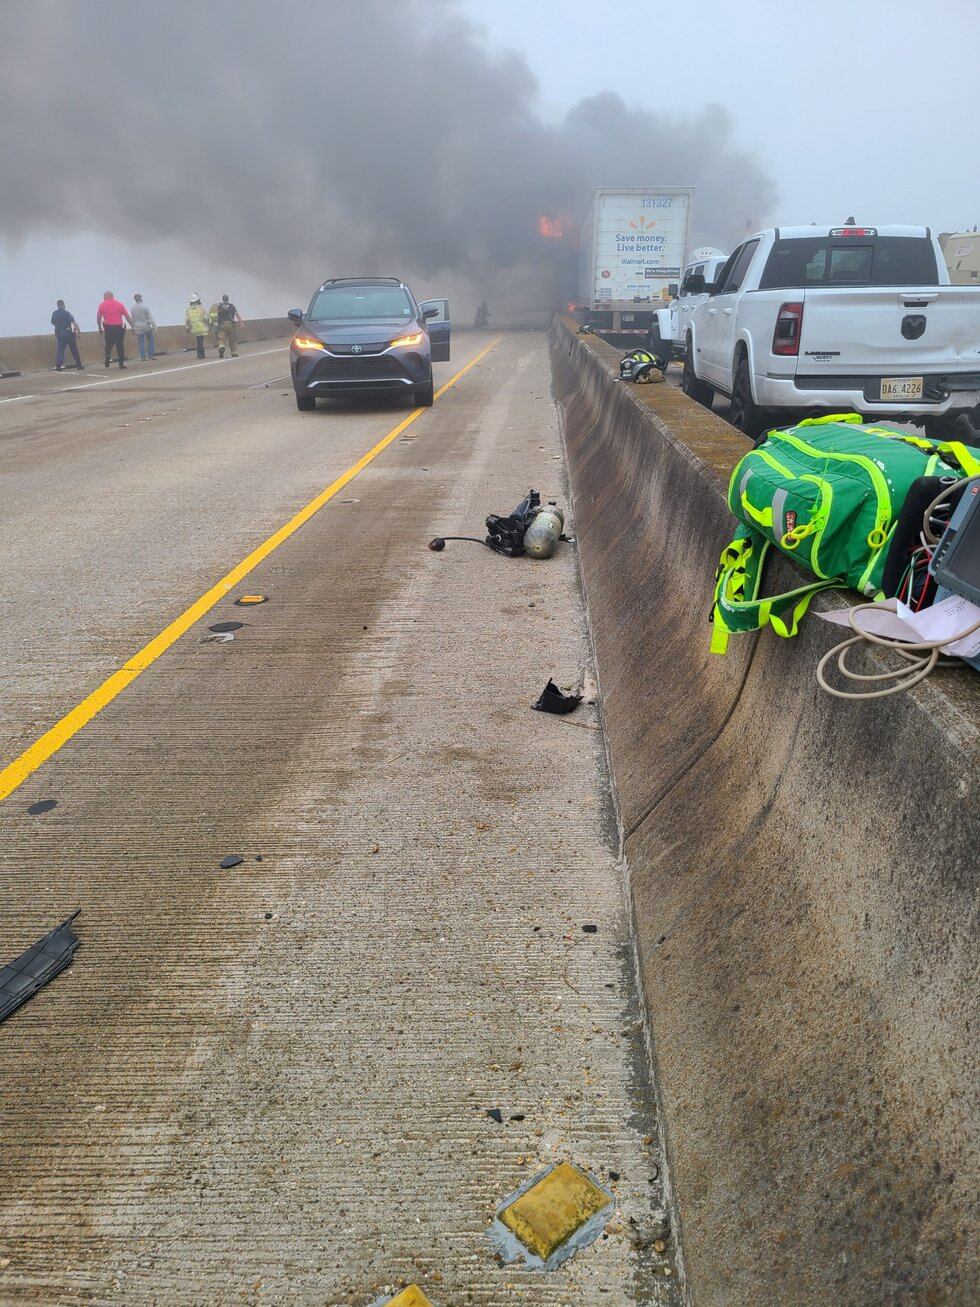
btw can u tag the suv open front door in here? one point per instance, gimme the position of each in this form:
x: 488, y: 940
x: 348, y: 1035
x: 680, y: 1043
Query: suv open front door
x: 438, y: 327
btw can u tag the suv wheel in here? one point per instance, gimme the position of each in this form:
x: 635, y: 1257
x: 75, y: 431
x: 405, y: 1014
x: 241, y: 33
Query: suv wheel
x: 305, y: 403
x: 425, y: 397
x: 697, y: 390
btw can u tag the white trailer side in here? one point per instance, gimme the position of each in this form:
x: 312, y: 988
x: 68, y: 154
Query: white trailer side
x: 632, y: 248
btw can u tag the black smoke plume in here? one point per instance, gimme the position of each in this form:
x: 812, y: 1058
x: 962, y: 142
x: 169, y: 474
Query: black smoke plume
x: 300, y: 141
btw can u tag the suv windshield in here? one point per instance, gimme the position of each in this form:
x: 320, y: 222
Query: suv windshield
x: 366, y: 302
x: 851, y: 261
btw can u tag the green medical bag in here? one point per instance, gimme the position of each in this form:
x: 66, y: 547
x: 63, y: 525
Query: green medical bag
x: 827, y: 493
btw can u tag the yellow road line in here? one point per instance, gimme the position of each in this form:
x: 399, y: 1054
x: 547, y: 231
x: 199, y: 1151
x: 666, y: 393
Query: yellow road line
x: 15, y: 773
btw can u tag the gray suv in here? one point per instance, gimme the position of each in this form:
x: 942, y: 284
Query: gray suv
x: 367, y: 334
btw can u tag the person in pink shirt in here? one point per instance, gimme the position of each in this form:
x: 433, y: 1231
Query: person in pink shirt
x: 112, y: 318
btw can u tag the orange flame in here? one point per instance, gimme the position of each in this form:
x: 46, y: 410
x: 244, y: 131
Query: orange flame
x: 553, y: 229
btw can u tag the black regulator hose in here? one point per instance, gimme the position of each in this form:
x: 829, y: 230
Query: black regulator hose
x: 439, y: 543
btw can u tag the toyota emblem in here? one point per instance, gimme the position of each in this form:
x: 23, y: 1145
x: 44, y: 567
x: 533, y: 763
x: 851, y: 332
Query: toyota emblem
x: 356, y: 349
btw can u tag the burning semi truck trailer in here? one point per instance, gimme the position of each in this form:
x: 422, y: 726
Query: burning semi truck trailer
x: 631, y: 252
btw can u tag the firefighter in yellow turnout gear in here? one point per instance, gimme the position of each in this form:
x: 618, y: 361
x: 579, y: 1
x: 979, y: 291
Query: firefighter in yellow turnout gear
x: 225, y: 320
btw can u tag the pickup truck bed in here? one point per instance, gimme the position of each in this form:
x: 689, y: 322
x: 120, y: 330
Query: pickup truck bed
x: 789, y: 331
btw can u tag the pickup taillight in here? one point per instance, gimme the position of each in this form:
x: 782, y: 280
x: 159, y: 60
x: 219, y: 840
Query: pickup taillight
x: 789, y: 328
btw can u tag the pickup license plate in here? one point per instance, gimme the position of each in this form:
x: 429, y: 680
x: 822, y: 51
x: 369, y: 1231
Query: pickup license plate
x: 901, y: 388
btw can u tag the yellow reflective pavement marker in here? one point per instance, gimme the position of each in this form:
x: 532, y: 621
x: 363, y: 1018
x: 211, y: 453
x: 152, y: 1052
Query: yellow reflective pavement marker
x: 410, y: 1297
x: 548, y: 1214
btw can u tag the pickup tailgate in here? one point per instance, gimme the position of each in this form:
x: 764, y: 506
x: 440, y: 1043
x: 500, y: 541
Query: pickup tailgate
x: 887, y: 331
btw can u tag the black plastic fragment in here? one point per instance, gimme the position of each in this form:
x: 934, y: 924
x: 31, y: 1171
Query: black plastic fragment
x: 232, y: 860
x: 589, y: 928
x: 22, y: 978
x: 495, y: 1114
x: 42, y: 805
x: 552, y: 700
x: 517, y: 1116
x: 221, y: 628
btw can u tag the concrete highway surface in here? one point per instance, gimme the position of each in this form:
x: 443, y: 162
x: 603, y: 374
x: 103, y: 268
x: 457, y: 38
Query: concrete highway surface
x: 272, y: 1082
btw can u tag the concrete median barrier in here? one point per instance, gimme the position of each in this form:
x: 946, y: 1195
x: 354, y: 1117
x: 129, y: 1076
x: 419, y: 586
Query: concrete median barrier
x: 803, y: 879
x: 32, y: 353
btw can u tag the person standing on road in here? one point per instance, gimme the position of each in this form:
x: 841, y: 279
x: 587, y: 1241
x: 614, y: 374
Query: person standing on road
x: 228, y: 320
x: 65, y: 333
x: 111, y: 319
x: 144, y: 326
x: 196, y: 321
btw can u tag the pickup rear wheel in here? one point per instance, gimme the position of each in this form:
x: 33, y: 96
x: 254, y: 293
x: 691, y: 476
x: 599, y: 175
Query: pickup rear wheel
x: 697, y: 390
x: 744, y: 412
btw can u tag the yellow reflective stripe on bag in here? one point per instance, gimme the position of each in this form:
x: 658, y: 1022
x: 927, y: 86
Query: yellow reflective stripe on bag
x: 830, y: 417
x: 966, y: 457
x: 761, y: 515
x: 798, y: 613
x: 720, y: 635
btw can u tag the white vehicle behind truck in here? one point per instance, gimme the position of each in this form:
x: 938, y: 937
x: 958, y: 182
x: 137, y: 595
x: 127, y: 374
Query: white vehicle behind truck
x: 961, y: 250
x: 804, y: 320
x: 668, y: 331
x: 631, y: 252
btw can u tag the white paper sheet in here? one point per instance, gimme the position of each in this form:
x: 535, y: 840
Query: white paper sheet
x: 880, y: 620
x: 948, y: 617
x: 893, y: 620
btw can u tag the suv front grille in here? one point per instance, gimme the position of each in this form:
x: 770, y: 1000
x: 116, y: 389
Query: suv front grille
x: 359, y: 368
x: 367, y: 347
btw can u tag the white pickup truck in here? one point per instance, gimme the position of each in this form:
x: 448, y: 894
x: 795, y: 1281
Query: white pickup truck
x: 668, y: 330
x: 810, y: 320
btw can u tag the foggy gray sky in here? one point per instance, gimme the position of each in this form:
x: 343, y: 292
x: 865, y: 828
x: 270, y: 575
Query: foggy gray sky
x: 399, y: 135
x: 863, y: 106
